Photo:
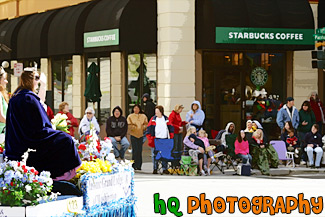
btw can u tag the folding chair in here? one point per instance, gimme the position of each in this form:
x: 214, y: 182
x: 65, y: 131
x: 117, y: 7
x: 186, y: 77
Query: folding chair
x: 163, y: 151
x: 218, y: 155
x: 281, y: 149
x: 230, y: 151
x: 187, y: 166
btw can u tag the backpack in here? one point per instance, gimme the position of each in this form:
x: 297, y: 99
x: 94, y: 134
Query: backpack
x: 218, y: 137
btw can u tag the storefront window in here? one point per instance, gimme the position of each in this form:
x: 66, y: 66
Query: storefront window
x: 62, y: 82
x: 238, y: 86
x: 141, y: 78
x: 103, y: 107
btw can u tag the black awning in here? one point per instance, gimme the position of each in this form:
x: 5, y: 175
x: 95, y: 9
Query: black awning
x: 65, y: 34
x: 288, y: 14
x: 8, y: 36
x: 32, y: 36
x: 321, y: 14
x: 135, y: 19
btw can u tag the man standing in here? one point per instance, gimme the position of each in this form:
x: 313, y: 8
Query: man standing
x: 116, y: 129
x: 288, y: 113
x: 149, y: 108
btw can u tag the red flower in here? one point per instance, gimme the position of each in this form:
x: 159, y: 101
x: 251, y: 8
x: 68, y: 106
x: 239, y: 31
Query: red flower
x: 98, y: 148
x: 11, y: 183
x: 91, y: 157
x: 32, y: 170
x: 98, y: 142
x: 23, y: 166
x: 9, y: 192
x: 34, y: 180
x: 95, y: 157
x: 40, y: 183
x: 19, y: 164
x: 82, y: 147
x: 36, y: 172
x: 25, y: 171
x: 1, y: 149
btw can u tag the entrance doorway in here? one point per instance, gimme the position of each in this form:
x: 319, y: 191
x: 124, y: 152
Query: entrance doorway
x: 141, y: 79
x: 241, y: 86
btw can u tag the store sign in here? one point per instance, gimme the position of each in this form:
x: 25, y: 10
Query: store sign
x: 237, y: 35
x: 101, y: 38
x: 259, y: 76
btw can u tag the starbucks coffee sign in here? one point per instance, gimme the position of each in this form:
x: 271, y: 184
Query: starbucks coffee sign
x: 235, y: 35
x: 101, y: 38
x: 259, y: 76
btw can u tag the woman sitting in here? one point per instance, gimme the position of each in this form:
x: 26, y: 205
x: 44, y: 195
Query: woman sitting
x: 314, y: 144
x: 262, y: 153
x: 190, y: 145
x: 88, y: 120
x: 242, y: 147
x: 28, y: 127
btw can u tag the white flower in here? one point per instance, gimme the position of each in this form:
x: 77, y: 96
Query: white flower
x: 28, y: 188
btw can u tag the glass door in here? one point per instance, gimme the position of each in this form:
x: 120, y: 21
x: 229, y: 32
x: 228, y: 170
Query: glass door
x: 141, y: 79
x: 222, y: 89
x: 241, y: 86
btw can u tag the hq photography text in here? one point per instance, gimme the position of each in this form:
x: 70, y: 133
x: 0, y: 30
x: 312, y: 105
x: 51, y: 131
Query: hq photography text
x: 255, y: 205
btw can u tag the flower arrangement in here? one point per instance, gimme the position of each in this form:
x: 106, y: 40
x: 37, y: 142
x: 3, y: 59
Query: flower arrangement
x: 2, y: 148
x: 59, y: 122
x: 21, y: 185
x: 93, y: 148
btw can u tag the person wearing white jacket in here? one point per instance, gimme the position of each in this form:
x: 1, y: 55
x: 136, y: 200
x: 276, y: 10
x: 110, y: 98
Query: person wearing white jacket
x: 89, y: 118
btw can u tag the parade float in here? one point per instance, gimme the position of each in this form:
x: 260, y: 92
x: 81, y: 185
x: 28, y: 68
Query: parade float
x: 107, y: 186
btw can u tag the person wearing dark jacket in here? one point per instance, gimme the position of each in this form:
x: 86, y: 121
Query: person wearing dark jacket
x: 116, y: 129
x: 314, y: 143
x: 149, y: 108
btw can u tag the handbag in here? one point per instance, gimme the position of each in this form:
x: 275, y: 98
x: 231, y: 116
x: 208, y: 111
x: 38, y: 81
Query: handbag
x: 244, y: 169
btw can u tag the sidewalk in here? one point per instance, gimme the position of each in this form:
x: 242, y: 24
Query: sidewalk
x: 281, y: 171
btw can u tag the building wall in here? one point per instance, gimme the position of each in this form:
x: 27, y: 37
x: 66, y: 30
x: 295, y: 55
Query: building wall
x: 176, y: 54
x: 305, y: 78
x: 14, y: 8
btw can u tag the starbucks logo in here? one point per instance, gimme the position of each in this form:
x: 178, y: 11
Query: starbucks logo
x: 259, y: 76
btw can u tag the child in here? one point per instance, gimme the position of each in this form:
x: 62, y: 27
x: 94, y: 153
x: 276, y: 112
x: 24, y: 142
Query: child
x: 196, y: 141
x: 242, y: 147
x: 292, y: 142
x: 204, y: 137
x: 208, y: 156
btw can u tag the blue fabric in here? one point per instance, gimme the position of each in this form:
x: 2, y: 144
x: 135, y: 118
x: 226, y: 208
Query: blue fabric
x: 28, y: 126
x: 198, y: 117
x: 163, y: 148
x: 283, y: 117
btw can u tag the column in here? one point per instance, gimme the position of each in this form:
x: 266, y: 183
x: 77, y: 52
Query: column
x: 116, y: 80
x: 45, y: 70
x: 76, y: 86
x: 305, y: 78
x: 176, y: 54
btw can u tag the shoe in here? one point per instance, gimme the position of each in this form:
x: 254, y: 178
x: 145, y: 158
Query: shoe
x: 138, y: 168
x: 209, y: 172
x: 302, y: 162
x: 166, y: 172
x: 310, y: 165
x: 155, y: 172
x: 202, y: 173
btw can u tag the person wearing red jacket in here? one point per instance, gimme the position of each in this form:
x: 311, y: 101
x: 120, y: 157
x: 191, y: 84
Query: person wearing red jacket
x: 159, y: 127
x: 317, y: 107
x: 71, y: 121
x: 176, y: 121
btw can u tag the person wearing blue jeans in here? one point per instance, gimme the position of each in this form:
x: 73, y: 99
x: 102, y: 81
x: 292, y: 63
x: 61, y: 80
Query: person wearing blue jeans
x: 125, y: 145
x: 116, y: 129
x: 314, y: 144
x: 245, y: 158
